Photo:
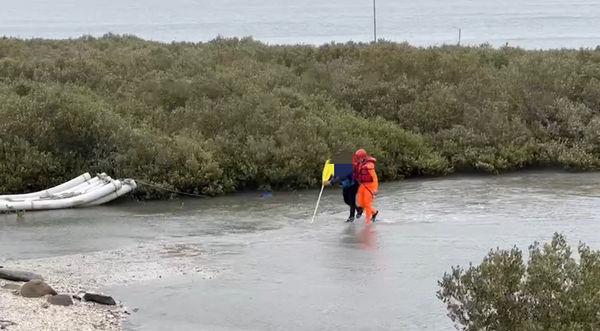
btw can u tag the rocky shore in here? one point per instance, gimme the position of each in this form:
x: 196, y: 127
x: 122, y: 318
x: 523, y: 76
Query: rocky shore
x: 54, y: 305
x: 37, y: 305
x: 65, y: 292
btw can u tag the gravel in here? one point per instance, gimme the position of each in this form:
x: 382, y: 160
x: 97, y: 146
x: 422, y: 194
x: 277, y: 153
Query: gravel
x: 92, y: 272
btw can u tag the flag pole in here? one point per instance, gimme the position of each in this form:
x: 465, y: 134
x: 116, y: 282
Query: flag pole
x: 317, y: 206
x: 328, y: 171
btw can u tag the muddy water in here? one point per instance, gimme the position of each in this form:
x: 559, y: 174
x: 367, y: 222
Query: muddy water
x: 277, y: 272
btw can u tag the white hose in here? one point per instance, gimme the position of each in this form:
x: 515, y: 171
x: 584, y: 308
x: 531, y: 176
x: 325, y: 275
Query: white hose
x: 70, y: 202
x: 51, y: 191
x: 128, y: 186
x: 81, y: 187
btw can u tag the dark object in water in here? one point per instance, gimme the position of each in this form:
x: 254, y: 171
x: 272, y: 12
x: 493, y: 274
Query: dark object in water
x: 98, y: 298
x: 374, y: 216
x: 266, y: 195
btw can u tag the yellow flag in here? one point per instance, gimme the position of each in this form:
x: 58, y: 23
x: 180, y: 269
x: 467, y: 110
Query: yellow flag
x: 328, y: 171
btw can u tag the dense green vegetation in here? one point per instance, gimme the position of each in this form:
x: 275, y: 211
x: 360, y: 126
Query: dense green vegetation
x: 233, y: 114
x: 554, y: 291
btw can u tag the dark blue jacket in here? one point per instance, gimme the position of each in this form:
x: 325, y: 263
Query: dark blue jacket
x: 347, y: 181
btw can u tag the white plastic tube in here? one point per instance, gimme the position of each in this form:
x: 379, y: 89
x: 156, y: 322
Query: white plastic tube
x: 81, y: 187
x: 45, y: 193
x: 76, y: 190
x: 88, y: 186
x: 128, y: 186
x: 85, y: 189
x: 71, y: 202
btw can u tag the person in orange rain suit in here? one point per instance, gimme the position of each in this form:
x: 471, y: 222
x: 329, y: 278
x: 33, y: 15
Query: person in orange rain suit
x: 367, y: 179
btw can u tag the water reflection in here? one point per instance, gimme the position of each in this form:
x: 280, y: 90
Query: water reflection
x: 364, y: 238
x: 367, y: 237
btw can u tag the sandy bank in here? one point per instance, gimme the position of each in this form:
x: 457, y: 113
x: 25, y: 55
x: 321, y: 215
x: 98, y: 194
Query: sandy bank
x: 94, y: 272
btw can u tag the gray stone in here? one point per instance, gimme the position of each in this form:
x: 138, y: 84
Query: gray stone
x: 4, y: 324
x: 60, y: 300
x: 18, y: 276
x: 11, y: 286
x: 99, y: 298
x: 36, y: 289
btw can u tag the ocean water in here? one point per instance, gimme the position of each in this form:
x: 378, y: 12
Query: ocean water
x: 531, y: 24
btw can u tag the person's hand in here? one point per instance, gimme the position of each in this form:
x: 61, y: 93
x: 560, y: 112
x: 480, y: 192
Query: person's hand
x: 326, y: 183
x: 376, y: 192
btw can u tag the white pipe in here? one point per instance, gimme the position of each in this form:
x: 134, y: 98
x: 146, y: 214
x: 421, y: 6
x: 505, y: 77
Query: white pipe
x: 86, y: 189
x: 88, y: 186
x: 62, y: 203
x: 317, y: 206
x: 128, y: 186
x: 77, y: 190
x: 80, y: 187
x: 45, y: 193
x: 73, y: 193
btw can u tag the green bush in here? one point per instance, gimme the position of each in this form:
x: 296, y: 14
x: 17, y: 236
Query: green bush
x: 553, y: 291
x: 234, y: 114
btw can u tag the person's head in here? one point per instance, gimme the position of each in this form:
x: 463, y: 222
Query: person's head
x: 342, y: 157
x: 360, y: 155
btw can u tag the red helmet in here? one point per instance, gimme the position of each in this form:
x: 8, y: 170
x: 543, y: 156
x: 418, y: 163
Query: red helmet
x: 360, y: 154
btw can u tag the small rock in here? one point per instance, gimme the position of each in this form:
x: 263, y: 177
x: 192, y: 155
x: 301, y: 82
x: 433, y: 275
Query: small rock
x: 36, y: 289
x: 11, y: 286
x: 76, y: 297
x: 19, y: 276
x: 45, y: 305
x: 5, y: 324
x: 135, y: 310
x: 98, y: 298
x: 60, y: 300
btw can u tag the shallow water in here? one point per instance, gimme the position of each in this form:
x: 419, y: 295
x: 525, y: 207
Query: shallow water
x: 525, y: 23
x: 281, y: 273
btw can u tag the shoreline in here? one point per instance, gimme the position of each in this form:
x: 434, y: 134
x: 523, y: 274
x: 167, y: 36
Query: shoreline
x: 21, y: 313
x: 454, y: 175
x: 93, y: 272
x: 495, y: 44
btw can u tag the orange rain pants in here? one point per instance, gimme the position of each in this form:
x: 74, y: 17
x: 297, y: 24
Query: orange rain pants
x: 366, y: 193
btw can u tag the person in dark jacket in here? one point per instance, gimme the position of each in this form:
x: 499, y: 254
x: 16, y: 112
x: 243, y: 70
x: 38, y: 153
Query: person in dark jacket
x: 349, y: 190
